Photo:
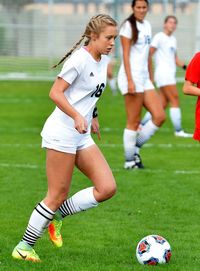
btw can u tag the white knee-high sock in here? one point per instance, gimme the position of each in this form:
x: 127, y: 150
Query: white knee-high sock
x: 129, y: 140
x: 148, y: 130
x: 81, y: 201
x: 175, y: 116
x: 146, y: 118
x: 39, y: 221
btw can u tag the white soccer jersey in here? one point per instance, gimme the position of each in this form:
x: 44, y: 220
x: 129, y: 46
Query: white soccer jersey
x: 166, y: 46
x: 87, y: 79
x: 140, y: 50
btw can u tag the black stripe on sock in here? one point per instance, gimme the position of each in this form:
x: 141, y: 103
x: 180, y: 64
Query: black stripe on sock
x: 31, y: 233
x: 29, y: 238
x: 43, y: 215
x: 31, y: 228
x: 70, y: 211
x: 71, y: 206
x: 45, y: 209
x: 64, y: 210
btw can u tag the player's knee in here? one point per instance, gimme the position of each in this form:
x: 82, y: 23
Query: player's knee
x: 57, y: 198
x: 108, y: 191
x: 159, y: 119
x: 133, y: 125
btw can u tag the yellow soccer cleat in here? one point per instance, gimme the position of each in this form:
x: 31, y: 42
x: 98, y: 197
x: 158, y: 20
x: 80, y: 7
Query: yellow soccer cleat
x: 54, y: 232
x: 24, y: 251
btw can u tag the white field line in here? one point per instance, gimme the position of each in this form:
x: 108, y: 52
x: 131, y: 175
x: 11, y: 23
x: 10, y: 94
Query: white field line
x: 17, y: 145
x: 112, y: 130
x: 24, y: 76
x: 14, y: 100
x: 155, y: 171
x: 13, y: 165
x: 104, y: 129
x: 153, y: 145
x: 158, y: 171
x: 148, y: 145
x: 20, y: 130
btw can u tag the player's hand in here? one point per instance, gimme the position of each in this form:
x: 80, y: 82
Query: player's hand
x: 95, y: 127
x: 80, y: 124
x: 131, y: 87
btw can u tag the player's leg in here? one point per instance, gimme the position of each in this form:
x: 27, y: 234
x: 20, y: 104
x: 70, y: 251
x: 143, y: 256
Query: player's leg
x: 133, y: 106
x: 153, y: 104
x: 92, y: 163
x: 171, y: 92
x: 164, y: 102
x: 164, y: 98
x: 59, y: 167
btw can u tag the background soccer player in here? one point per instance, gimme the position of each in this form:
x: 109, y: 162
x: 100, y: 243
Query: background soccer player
x: 164, y: 46
x: 66, y: 137
x: 134, y: 83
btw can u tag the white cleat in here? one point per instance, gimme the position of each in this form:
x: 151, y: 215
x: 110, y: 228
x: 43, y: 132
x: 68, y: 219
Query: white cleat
x: 130, y: 165
x: 183, y: 134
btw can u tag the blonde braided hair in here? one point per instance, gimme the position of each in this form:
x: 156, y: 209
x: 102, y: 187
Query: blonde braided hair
x: 95, y: 25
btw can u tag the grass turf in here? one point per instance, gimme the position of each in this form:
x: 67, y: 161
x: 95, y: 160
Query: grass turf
x: 162, y: 199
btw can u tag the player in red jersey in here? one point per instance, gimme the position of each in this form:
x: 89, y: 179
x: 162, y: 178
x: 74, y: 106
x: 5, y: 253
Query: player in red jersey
x: 192, y: 87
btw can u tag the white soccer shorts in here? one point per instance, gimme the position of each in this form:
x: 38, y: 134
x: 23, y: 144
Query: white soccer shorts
x: 142, y: 84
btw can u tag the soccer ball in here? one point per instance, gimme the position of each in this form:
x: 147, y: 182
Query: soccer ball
x: 153, y: 250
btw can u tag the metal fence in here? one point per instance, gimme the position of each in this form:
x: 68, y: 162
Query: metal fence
x: 36, y: 33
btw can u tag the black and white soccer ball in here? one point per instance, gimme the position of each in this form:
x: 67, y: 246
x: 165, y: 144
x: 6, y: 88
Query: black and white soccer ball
x: 153, y: 250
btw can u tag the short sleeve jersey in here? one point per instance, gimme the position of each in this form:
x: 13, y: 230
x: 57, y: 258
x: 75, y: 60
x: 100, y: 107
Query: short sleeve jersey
x: 87, y: 79
x: 193, y: 75
x: 166, y: 52
x: 140, y: 50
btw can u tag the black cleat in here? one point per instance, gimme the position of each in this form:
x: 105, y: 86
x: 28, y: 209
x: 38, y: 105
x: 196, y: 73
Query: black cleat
x: 138, y: 161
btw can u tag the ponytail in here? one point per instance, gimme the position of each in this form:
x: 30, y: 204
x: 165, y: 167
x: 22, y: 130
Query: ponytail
x: 70, y: 52
x: 135, y: 31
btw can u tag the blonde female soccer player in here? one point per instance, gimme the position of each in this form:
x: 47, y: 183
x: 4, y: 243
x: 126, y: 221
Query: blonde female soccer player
x: 66, y: 137
x: 134, y: 83
x: 164, y: 46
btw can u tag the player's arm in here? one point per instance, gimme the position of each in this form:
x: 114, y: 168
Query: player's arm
x: 191, y: 89
x: 57, y: 96
x: 126, y: 47
x: 152, y: 50
x: 180, y: 63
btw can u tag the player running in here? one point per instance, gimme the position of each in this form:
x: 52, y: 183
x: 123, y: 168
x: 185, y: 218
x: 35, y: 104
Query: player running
x: 164, y: 46
x: 134, y: 83
x: 66, y: 137
x: 192, y: 87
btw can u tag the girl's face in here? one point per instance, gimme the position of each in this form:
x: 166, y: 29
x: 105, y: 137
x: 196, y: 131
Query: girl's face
x: 105, y: 41
x: 140, y: 10
x: 170, y: 25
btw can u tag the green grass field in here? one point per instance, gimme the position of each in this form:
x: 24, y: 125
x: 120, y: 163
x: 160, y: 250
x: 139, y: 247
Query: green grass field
x: 162, y: 199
